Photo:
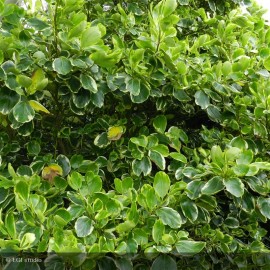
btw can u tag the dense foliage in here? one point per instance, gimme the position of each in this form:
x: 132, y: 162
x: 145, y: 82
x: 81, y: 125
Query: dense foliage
x: 134, y: 134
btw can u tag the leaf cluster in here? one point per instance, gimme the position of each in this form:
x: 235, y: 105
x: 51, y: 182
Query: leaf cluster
x: 134, y: 134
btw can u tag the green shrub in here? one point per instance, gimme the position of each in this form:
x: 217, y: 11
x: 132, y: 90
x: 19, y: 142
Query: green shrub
x: 134, y: 135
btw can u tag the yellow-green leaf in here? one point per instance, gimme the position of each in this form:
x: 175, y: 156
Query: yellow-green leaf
x: 37, y: 106
x: 115, y: 133
x: 39, y: 82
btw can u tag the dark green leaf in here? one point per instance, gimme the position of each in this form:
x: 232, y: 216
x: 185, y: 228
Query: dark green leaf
x: 81, y: 99
x: 213, y: 113
x: 33, y: 148
x: 23, y: 112
x: 64, y: 163
x: 189, y: 208
x: 8, y: 100
x: 142, y: 96
x: 38, y: 24
x: 158, y: 159
x: 264, y: 206
x: 202, y: 99
x: 213, y: 186
x: 88, y: 83
x: 164, y: 262
x: 160, y: 123
x: 133, y: 86
x: 181, y: 95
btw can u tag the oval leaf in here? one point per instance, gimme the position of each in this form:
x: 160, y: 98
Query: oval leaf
x: 164, y: 262
x: 213, y: 186
x: 187, y: 247
x: 170, y: 217
x: 161, y: 184
x: 23, y: 112
x: 83, y: 226
x: 234, y: 186
x: 62, y: 65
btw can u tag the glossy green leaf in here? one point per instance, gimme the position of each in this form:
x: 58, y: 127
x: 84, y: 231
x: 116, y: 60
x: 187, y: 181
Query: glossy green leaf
x: 142, y: 96
x: 140, y: 141
x: 27, y: 240
x: 77, y: 30
x: 102, y: 140
x: 1, y: 56
x: 39, y: 81
x: 133, y: 86
x: 241, y: 169
x: 160, y: 123
x: 158, y: 159
x: 3, y: 193
x: 98, y: 98
x: 161, y: 148
x: 169, y: 7
x: 231, y: 222
x: 24, y: 80
x: 182, y: 68
x: 94, y: 182
x: 23, y: 112
x: 214, y: 113
x: 226, y: 68
x: 75, y: 180
x: 161, y: 184
x: 202, y: 99
x: 88, y: 83
x: 181, y: 95
x: 188, y: 247
x: 264, y: 204
x: 62, y: 217
x: 10, y: 224
x: 109, y: 60
x: 169, y: 217
x: 64, y: 163
x: 38, y: 24
x: 22, y: 189
x: 90, y: 36
x: 83, y: 226
x: 234, y: 186
x: 142, y: 166
x: 217, y: 156
x: 158, y: 231
x: 178, y: 156
x: 266, y: 63
x: 8, y: 100
x: 150, y: 196
x: 62, y: 65
x: 38, y: 107
x: 213, y: 186
x: 189, y: 208
x: 81, y: 99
